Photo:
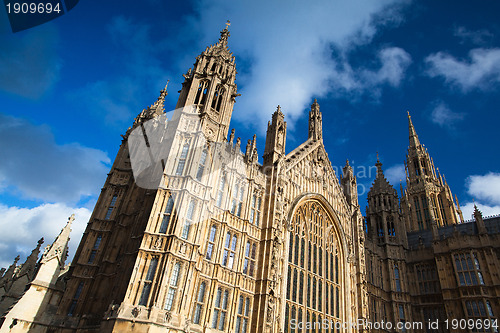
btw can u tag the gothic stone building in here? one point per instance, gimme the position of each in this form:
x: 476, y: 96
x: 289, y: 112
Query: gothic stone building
x: 191, y: 235
x: 425, y: 263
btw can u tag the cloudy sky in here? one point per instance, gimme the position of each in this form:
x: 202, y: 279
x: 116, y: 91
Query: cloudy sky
x: 70, y: 87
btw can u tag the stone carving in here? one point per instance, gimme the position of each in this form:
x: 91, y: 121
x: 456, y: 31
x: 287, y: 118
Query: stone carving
x: 182, y: 248
x: 187, y: 325
x: 135, y: 312
x: 168, y: 316
x: 158, y: 243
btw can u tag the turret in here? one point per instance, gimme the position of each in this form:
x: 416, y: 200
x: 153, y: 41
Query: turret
x: 211, y: 88
x: 315, y: 122
x: 478, y: 216
x: 383, y: 211
x: 348, y: 182
x: 275, y: 138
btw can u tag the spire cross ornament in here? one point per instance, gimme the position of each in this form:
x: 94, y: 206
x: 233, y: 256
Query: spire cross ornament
x: 228, y: 23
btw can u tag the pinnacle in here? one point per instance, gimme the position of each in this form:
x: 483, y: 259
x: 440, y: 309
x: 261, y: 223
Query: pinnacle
x: 278, y: 110
x: 379, y: 167
x: 224, y: 35
x: 414, y: 142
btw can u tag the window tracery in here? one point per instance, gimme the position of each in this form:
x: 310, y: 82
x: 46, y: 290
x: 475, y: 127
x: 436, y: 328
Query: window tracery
x: 313, y: 283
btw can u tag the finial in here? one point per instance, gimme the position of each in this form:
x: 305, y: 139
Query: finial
x: 408, y: 111
x: 224, y: 35
x: 379, y: 167
x: 278, y: 110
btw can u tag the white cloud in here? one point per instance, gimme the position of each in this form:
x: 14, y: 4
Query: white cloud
x: 482, y: 71
x: 444, y: 117
x: 395, y: 174
x: 394, y: 62
x: 486, y: 210
x: 39, y: 168
x: 485, y: 187
x: 485, y: 190
x: 302, y: 52
x: 29, y: 64
x: 477, y: 37
x: 31, y: 224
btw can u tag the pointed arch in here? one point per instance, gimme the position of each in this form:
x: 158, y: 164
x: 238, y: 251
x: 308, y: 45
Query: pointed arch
x: 318, y: 258
x: 218, y: 96
x: 201, y: 93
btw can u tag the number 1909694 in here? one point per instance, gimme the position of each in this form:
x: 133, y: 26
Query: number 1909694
x: 32, y: 8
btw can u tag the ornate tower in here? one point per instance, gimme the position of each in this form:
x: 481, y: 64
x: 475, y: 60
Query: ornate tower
x: 210, y: 86
x: 139, y: 258
x: 388, y: 287
x: 427, y: 201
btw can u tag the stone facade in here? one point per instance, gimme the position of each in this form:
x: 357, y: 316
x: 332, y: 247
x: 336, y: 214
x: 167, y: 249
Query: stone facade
x: 189, y: 234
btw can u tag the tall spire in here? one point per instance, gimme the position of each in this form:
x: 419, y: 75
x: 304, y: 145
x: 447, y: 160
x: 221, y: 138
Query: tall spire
x: 414, y: 142
x: 59, y: 248
x: 428, y: 193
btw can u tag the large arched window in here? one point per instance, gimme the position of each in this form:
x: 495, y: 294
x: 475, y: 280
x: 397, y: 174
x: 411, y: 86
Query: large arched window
x: 314, y: 283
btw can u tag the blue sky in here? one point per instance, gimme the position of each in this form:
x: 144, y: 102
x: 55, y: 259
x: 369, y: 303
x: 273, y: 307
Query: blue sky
x: 70, y: 87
